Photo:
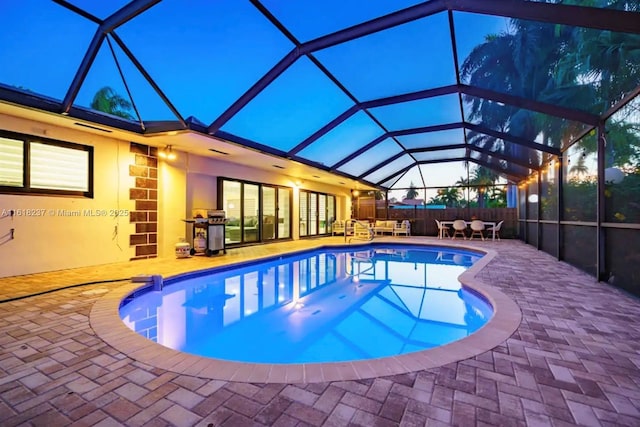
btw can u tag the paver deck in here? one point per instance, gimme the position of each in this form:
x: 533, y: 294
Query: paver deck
x: 574, y: 359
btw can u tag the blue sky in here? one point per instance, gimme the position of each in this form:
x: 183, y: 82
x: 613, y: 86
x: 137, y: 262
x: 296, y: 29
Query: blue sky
x: 205, y: 54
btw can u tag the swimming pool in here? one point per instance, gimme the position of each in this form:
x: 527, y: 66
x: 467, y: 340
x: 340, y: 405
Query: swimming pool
x: 332, y: 305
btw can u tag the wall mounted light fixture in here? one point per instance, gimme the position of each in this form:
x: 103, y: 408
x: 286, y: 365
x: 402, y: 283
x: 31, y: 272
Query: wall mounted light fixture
x: 167, y: 153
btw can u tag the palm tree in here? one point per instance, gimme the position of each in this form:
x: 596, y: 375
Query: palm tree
x: 462, y: 184
x: 569, y: 66
x: 609, y: 60
x: 580, y: 168
x: 523, y: 61
x: 108, y: 101
x: 497, y: 197
x: 412, y: 193
x: 482, y: 179
x: 450, y: 196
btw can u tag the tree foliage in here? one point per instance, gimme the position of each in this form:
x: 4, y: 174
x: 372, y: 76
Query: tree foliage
x: 109, y: 101
x: 573, y: 67
x: 449, y: 197
x: 412, y: 193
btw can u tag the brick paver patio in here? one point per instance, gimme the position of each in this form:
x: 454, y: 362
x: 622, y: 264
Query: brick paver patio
x: 574, y: 359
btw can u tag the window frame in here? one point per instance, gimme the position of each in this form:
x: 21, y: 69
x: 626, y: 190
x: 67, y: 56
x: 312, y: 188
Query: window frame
x: 26, y: 188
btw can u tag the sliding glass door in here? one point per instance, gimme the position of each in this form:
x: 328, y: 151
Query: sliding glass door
x: 317, y: 213
x: 313, y: 214
x: 284, y: 213
x: 232, y: 205
x: 253, y: 210
x: 268, y: 213
x: 304, y: 213
x: 322, y: 213
x: 251, y: 214
x: 331, y: 213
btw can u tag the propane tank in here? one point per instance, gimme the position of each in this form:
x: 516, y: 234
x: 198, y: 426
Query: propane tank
x: 199, y: 242
x: 183, y: 249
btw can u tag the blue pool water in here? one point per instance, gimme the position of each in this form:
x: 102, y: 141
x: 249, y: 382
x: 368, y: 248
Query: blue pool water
x: 320, y: 306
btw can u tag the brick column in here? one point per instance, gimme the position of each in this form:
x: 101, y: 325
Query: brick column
x: 145, y: 194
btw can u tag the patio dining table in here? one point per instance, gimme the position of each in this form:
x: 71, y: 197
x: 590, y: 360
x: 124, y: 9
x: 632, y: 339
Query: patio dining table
x: 486, y: 224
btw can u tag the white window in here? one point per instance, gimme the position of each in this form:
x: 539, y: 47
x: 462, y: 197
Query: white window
x: 58, y: 168
x: 11, y: 162
x: 39, y: 166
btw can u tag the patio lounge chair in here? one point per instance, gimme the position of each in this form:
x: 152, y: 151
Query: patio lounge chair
x: 403, y: 228
x: 382, y: 227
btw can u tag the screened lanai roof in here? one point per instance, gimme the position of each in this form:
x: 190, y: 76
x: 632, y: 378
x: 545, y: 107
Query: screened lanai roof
x: 378, y: 91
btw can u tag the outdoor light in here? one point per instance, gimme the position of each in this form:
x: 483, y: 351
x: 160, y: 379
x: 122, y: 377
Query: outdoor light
x: 355, y: 193
x: 167, y: 153
x: 533, y: 198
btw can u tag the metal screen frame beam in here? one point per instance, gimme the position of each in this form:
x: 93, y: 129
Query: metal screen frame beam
x: 147, y: 77
x: 79, y: 11
x: 129, y: 11
x: 83, y: 70
x: 376, y: 141
x: 324, y: 130
x: 346, y: 91
x: 254, y: 90
x: 411, y: 96
x: 453, y: 159
x: 437, y: 148
x: 428, y: 129
x: 541, y: 107
x: 391, y: 20
x: 514, y: 139
x: 620, y: 104
x: 553, y: 13
x: 246, y: 143
x: 126, y: 13
x: 384, y: 163
x: 511, y: 177
x: 601, y: 234
x: 361, y: 150
x: 530, y: 104
x: 502, y: 156
x: 399, y: 172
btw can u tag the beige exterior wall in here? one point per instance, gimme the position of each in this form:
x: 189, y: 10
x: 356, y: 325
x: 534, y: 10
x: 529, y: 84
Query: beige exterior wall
x: 64, y: 236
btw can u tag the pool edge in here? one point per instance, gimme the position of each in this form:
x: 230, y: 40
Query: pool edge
x: 105, y: 321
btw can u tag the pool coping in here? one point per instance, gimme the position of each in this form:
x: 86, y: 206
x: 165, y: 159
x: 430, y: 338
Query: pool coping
x: 105, y: 321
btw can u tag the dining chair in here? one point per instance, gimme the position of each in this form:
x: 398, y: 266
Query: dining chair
x: 443, y: 230
x: 495, y: 229
x: 459, y: 227
x: 477, y: 227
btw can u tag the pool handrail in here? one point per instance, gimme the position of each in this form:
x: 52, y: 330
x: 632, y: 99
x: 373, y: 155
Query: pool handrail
x: 364, y: 225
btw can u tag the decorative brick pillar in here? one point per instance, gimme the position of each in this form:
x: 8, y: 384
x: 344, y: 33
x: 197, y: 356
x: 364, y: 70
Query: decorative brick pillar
x: 145, y: 194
